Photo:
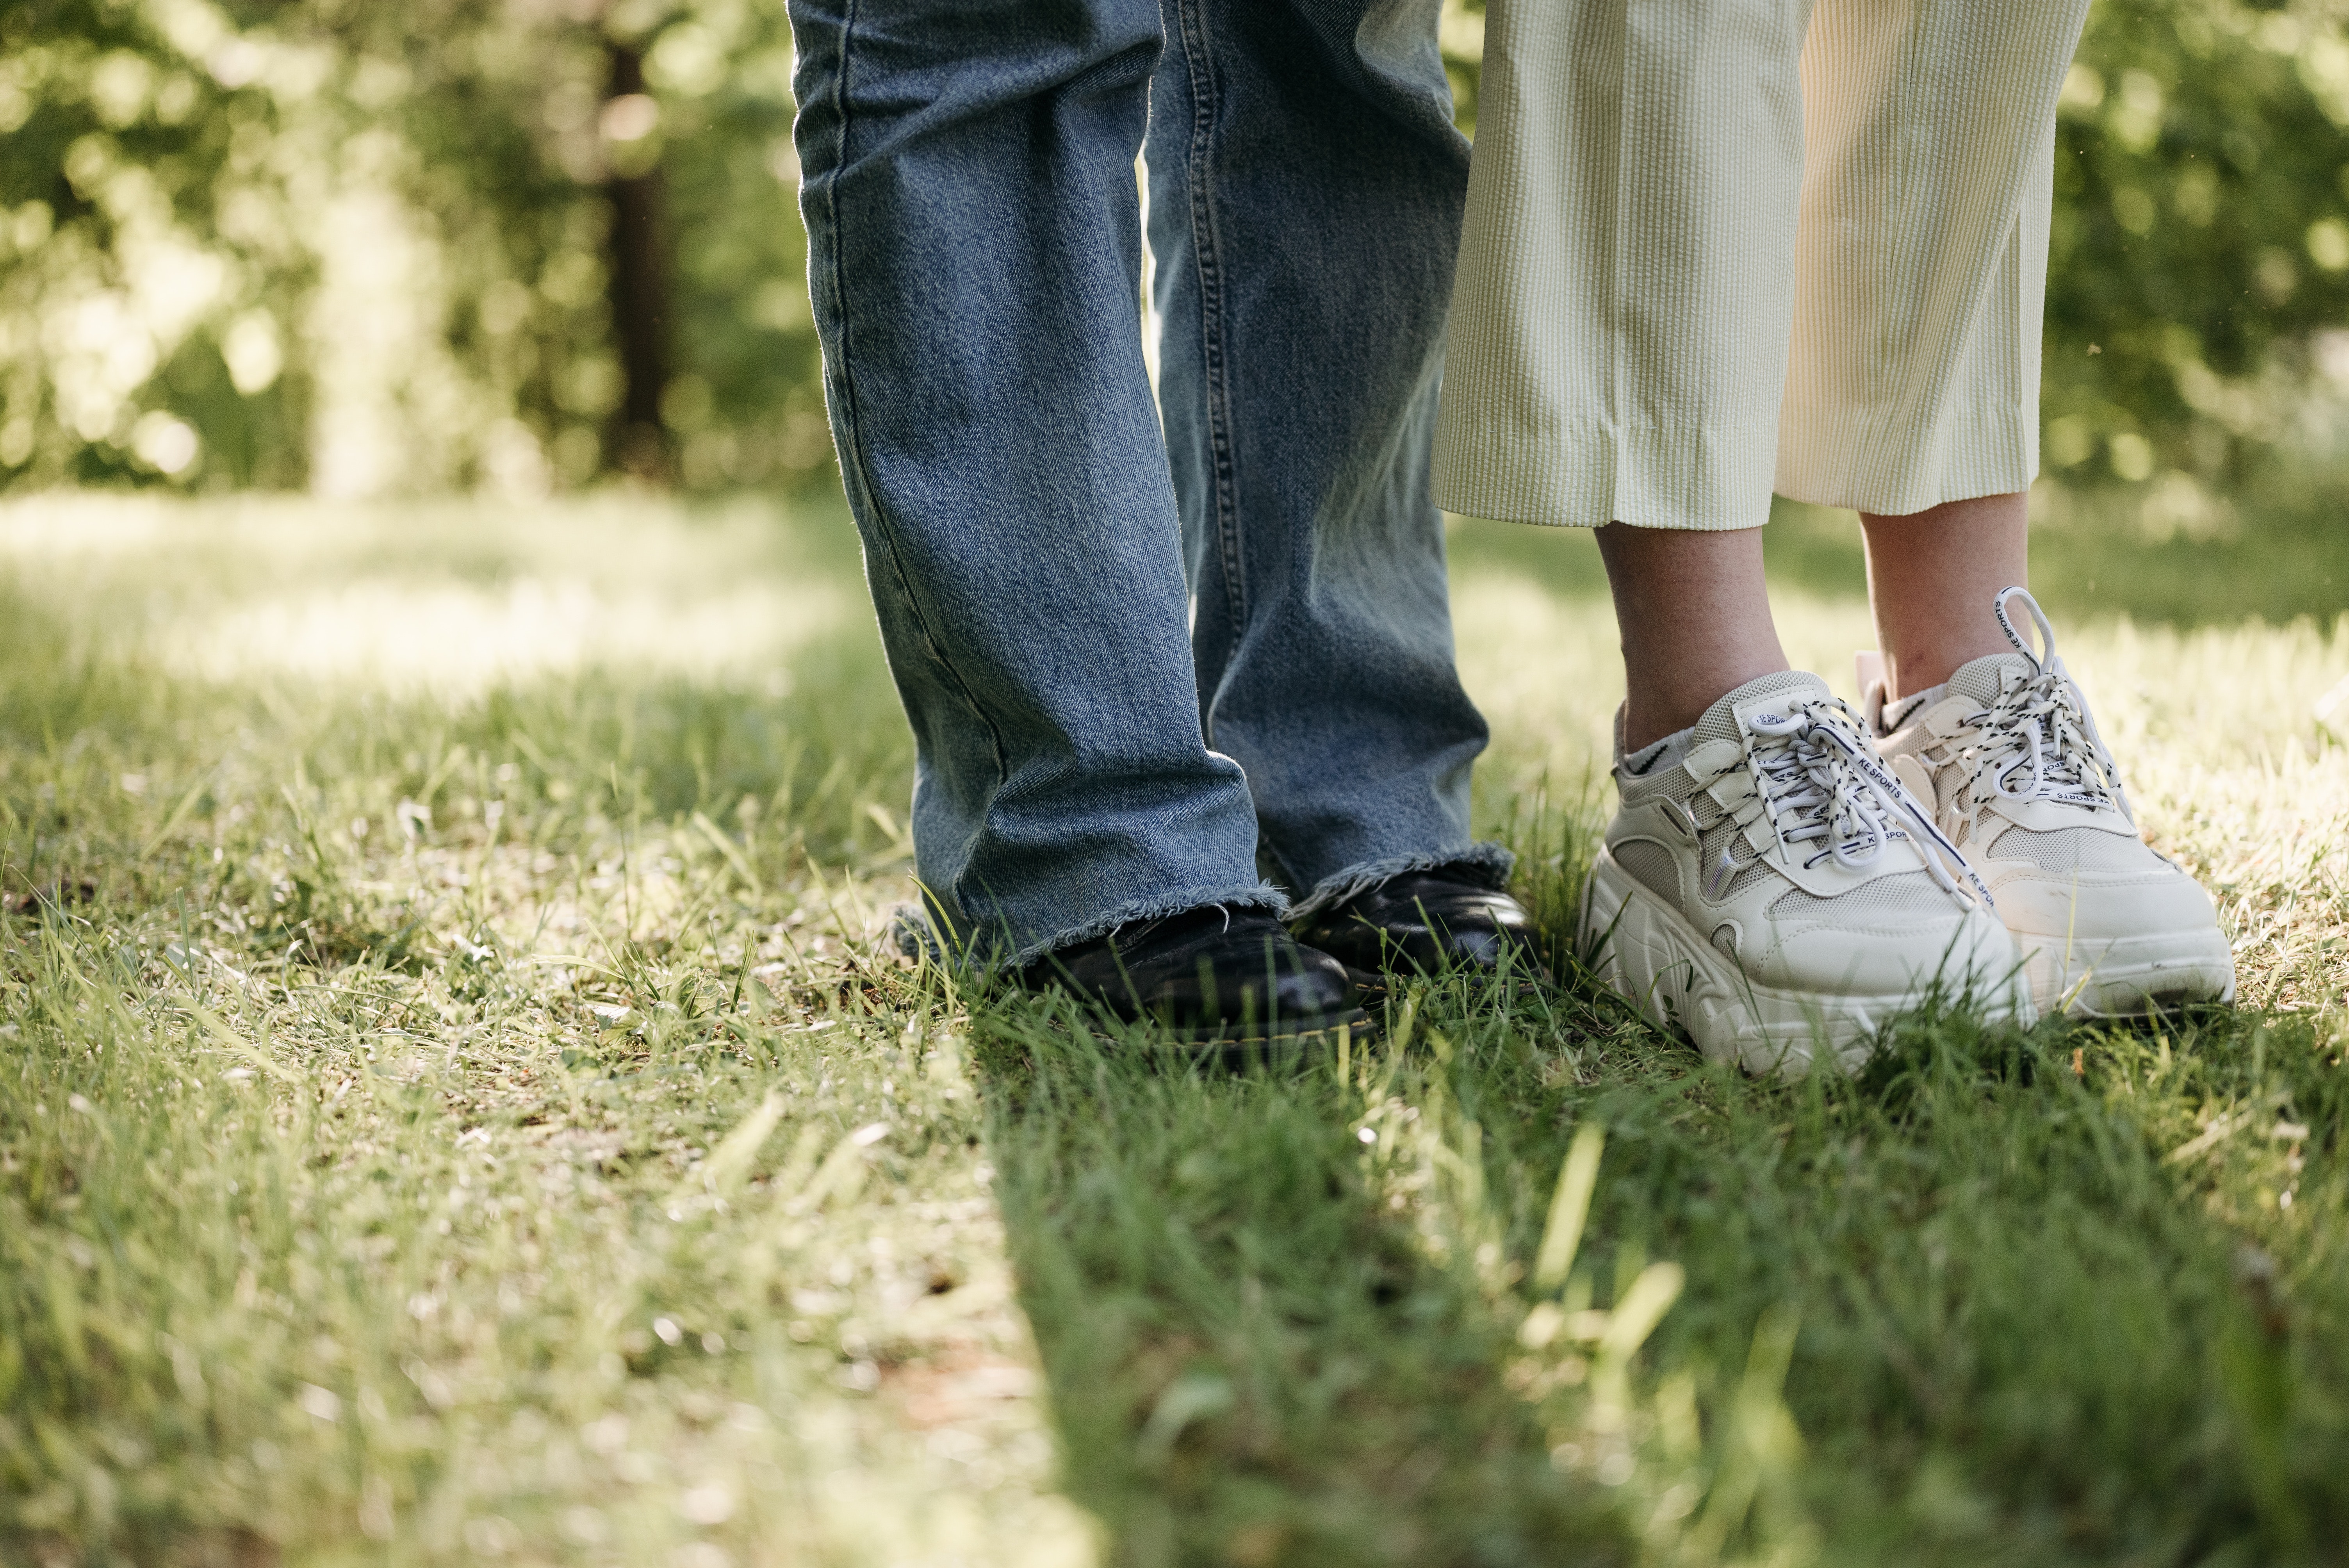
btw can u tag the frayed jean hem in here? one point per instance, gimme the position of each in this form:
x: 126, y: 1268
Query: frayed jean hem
x: 1245, y: 895
x: 1488, y: 863
x: 916, y: 931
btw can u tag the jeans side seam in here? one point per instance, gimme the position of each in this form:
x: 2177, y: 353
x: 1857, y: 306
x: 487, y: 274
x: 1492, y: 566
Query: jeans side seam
x: 1212, y: 345
x: 851, y: 442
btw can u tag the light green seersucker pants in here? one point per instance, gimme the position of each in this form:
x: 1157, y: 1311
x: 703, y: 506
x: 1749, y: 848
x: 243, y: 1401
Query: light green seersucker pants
x: 1715, y: 248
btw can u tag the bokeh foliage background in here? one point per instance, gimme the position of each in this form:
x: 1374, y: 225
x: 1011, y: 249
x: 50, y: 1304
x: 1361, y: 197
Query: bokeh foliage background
x: 359, y: 249
x: 363, y: 249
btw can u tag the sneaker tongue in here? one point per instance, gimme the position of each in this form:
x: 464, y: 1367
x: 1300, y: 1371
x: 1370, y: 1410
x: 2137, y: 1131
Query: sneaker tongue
x: 1980, y: 680
x: 1719, y: 720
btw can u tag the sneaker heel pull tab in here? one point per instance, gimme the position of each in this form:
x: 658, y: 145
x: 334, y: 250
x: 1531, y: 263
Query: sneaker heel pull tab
x: 1868, y: 666
x: 2039, y: 660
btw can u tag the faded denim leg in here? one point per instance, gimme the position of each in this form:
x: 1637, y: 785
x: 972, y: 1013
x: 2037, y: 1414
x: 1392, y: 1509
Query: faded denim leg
x: 1306, y: 187
x: 974, y: 260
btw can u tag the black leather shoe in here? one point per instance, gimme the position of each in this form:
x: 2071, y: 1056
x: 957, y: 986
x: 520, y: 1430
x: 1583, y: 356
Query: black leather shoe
x: 1432, y: 922
x: 1226, y: 979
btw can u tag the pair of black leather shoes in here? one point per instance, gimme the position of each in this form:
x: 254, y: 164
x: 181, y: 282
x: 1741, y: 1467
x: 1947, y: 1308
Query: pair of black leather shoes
x: 1430, y: 922
x: 1228, y: 979
x: 1237, y: 978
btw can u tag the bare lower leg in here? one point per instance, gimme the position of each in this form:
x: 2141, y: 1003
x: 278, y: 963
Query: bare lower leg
x: 1931, y: 579
x: 1694, y: 618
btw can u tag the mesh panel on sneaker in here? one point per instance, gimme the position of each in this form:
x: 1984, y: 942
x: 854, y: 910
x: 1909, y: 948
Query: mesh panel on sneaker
x: 1979, y: 678
x: 1720, y: 834
x: 1914, y: 894
x: 2073, y: 850
x: 1653, y: 864
x: 1719, y: 723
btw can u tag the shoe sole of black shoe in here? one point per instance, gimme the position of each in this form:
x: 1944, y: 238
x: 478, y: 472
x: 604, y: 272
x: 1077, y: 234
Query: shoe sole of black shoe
x: 1378, y: 983
x: 1233, y: 1050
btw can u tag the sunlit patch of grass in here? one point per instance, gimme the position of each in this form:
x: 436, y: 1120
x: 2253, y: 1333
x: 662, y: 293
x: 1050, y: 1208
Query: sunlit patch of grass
x: 470, y: 1108
x: 453, y: 1116
x: 444, y: 600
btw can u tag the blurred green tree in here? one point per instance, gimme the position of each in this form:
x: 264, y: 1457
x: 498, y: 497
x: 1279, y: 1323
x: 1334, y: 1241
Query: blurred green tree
x: 2199, y: 276
x: 364, y: 248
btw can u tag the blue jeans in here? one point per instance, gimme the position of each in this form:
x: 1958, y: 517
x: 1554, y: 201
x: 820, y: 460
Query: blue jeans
x: 1132, y: 652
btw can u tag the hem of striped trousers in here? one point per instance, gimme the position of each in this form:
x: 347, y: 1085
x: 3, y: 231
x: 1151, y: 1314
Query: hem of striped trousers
x: 1488, y: 516
x: 1982, y: 450
x: 1486, y: 863
x: 1694, y: 481
x: 1559, y: 480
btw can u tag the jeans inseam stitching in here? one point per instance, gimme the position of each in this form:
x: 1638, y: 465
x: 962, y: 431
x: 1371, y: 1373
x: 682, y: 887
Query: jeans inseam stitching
x: 1211, y: 310
x: 853, y: 444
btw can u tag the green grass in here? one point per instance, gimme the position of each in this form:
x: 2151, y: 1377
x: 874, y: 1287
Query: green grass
x: 459, y: 1101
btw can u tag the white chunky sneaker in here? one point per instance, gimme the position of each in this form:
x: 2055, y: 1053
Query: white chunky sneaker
x: 1770, y: 888
x: 2008, y: 757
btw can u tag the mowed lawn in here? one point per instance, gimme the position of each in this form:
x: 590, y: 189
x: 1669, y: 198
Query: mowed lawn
x: 459, y: 1101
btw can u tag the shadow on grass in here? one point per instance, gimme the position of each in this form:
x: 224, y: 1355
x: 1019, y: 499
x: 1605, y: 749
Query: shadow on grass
x: 2051, y: 1308
x: 2027, y: 1335
x: 1253, y: 1357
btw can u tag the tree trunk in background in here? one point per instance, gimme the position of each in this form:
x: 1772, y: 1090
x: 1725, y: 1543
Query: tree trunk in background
x: 639, y: 295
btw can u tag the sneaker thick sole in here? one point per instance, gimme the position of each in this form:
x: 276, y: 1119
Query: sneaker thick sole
x: 1650, y: 956
x: 2131, y: 976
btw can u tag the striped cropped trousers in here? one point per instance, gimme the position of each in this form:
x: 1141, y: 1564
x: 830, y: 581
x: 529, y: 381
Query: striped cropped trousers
x: 1715, y: 248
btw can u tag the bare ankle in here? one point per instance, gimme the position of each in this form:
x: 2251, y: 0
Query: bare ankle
x: 1932, y: 577
x: 1665, y: 700
x: 1694, y: 614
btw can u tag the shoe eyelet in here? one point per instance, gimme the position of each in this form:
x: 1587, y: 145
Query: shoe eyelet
x: 1717, y: 880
